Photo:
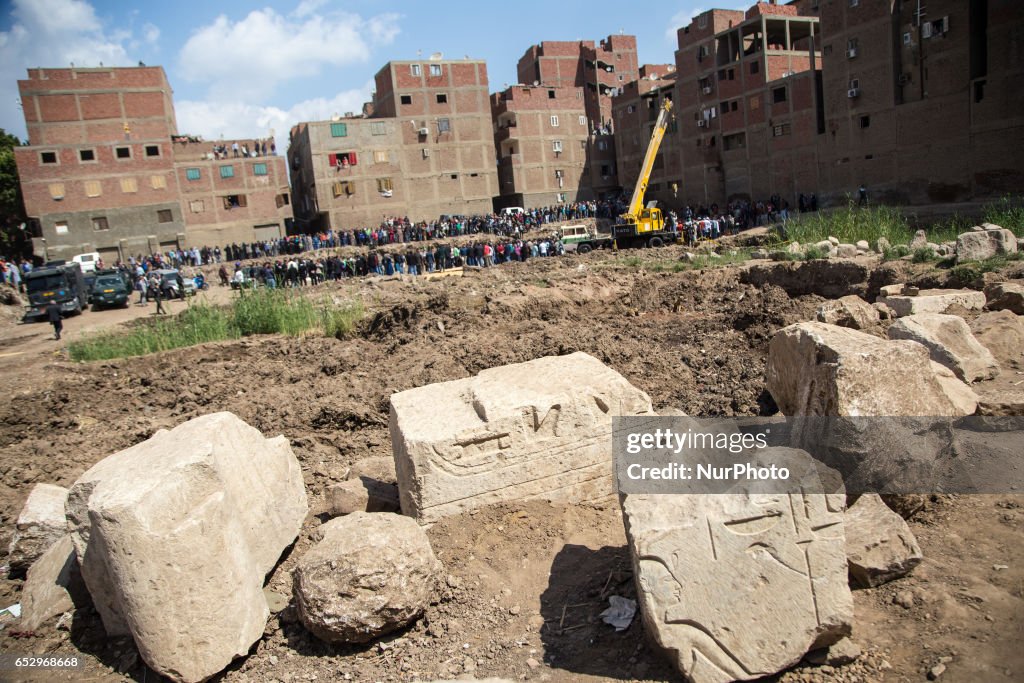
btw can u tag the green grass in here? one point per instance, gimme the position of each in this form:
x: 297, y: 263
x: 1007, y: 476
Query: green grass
x: 813, y: 252
x: 925, y: 255
x: 1006, y: 214
x: 254, y: 312
x: 659, y: 265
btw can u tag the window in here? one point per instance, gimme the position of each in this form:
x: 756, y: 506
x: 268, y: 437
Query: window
x: 193, y: 174
x: 380, y: 157
x: 620, y: 77
x: 61, y: 227
x: 907, y: 38
x: 444, y: 126
x: 197, y: 206
x: 583, y: 120
x: 435, y: 69
x: 702, y: 52
x: 123, y: 152
x: 339, y: 130
x: 854, y: 84
x: 164, y: 216
x: 377, y: 128
x: 561, y: 196
x: 343, y: 187
x: 755, y: 67
x: 415, y: 69
x: 734, y: 105
x: 551, y: 94
x: 259, y: 169
x: 778, y: 95
x: 152, y: 150
x: 384, y: 185
x: 854, y: 3
x: 865, y: 122
x: 442, y: 98
x: 227, y: 171
x: 405, y: 99
x: 780, y: 130
x: 755, y: 103
x: 702, y: 21
x: 554, y: 122
x: 129, y: 185
x: 556, y: 146
x: 100, y: 223
x: 57, y: 191
x: 87, y: 155
x: 606, y: 170
x: 454, y: 176
x: 342, y: 159
x: 737, y: 141
x: 158, y: 182
x: 93, y: 188
x: 47, y: 157
x: 630, y: 109
x: 233, y: 201
x: 282, y: 200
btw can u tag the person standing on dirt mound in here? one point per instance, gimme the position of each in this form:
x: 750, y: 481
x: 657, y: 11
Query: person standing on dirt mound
x: 53, y: 315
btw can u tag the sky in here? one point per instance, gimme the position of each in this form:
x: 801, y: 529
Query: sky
x: 241, y: 70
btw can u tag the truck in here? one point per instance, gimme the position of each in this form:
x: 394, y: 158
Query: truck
x: 644, y: 226
x: 56, y: 281
x: 580, y: 239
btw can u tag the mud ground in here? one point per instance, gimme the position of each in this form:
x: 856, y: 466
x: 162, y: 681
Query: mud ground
x: 525, y: 583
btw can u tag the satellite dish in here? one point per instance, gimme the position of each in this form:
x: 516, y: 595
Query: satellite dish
x: 536, y: 83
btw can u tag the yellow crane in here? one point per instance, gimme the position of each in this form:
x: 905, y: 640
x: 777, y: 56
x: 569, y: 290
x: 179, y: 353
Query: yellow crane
x: 639, y: 225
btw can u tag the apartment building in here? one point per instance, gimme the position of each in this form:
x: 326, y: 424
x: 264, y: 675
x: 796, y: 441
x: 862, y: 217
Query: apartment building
x: 100, y: 171
x: 424, y: 147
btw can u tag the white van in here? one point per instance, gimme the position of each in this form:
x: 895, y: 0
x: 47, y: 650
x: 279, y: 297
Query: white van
x: 87, y: 261
x: 513, y: 211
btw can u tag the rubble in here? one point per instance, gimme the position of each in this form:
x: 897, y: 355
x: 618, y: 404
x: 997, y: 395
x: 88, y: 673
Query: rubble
x: 949, y: 342
x: 880, y: 546
x: 849, y: 311
x: 40, y: 524
x: 53, y: 585
x: 1006, y: 296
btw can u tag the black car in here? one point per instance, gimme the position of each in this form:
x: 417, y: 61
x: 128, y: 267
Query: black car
x: 109, y: 290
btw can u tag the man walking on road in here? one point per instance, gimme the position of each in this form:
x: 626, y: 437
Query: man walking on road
x: 158, y: 294
x: 53, y: 315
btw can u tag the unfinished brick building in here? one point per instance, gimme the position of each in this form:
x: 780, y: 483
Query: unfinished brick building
x: 425, y: 149
x: 100, y: 171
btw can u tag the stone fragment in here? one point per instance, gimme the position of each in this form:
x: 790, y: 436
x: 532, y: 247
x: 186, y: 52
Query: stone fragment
x: 361, y: 495
x: 882, y: 245
x: 1002, y: 333
x: 949, y: 342
x: 879, y: 545
x: 906, y: 505
x: 1008, y: 296
x: 820, y: 369
x: 1000, y: 403
x: 741, y: 585
x: 920, y: 240
x: 891, y: 290
x: 175, y: 536
x: 540, y: 429
x: 863, y: 245
x: 978, y: 246
x: 40, y: 524
x: 759, y: 254
x: 846, y: 251
x: 963, y: 398
x: 825, y: 247
x: 380, y: 468
x: 884, y: 312
x: 794, y: 248
x: 934, y: 301
x: 833, y: 240
x: 840, y: 654
x: 53, y: 585
x: 369, y: 575
x: 849, y: 311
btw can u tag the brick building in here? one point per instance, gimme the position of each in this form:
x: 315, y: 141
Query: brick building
x: 771, y: 100
x: 100, y: 171
x: 423, y: 148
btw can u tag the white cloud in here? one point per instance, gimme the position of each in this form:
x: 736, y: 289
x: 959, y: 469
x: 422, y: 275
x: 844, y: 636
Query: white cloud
x: 680, y: 19
x: 52, y: 33
x: 151, y: 33
x: 239, y: 59
x: 238, y: 119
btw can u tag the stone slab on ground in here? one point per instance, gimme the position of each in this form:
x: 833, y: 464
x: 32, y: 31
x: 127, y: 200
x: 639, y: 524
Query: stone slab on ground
x: 540, y: 429
x: 1006, y: 296
x: 950, y: 342
x: 1002, y: 333
x: 370, y: 574
x: 40, y: 524
x: 819, y: 369
x: 740, y: 586
x: 176, y: 535
x: 848, y: 311
x: 53, y: 585
x: 880, y: 546
x: 934, y: 301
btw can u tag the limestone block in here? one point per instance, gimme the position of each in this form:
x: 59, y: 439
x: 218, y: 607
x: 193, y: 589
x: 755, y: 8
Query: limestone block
x: 175, y: 536
x: 540, y: 429
x: 863, y: 245
x: 949, y: 342
x: 849, y: 311
x: 934, y: 301
x: 820, y: 369
x: 1002, y: 333
x: 963, y: 398
x: 978, y: 246
x: 741, y: 585
x: 880, y: 546
x: 363, y: 494
x: 1007, y: 296
x: 846, y: 250
x: 40, y: 524
x: 53, y: 585
x: 369, y: 575
x: 891, y: 290
x: 920, y: 240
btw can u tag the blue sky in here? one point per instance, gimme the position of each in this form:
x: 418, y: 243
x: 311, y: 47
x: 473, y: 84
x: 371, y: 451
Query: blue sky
x: 243, y: 69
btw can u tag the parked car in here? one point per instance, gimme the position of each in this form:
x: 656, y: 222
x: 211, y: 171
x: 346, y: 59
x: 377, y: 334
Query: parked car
x: 169, y: 283
x: 109, y: 290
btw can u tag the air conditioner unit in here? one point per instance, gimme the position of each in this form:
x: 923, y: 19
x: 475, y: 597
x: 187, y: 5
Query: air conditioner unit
x: 426, y: 153
x: 702, y: 123
x: 851, y: 53
x: 853, y: 92
x: 423, y: 131
x: 707, y: 90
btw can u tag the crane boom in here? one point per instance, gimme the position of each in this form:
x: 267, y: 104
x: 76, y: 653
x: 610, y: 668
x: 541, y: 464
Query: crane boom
x: 636, y: 203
